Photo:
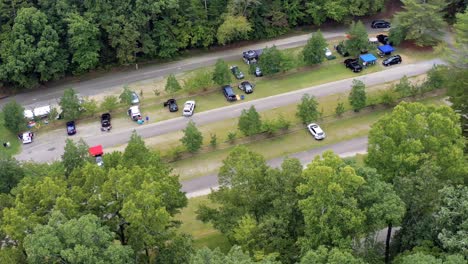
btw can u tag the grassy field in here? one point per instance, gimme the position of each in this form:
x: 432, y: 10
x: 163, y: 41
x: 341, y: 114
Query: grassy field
x: 203, y: 234
x: 7, y: 136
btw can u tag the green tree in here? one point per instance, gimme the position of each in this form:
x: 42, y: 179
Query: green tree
x: 358, y: 39
x: 83, y: 42
x: 13, y: 115
x: 413, y: 134
x: 233, y: 28
x: 201, y: 79
x: 307, y: 110
x: 423, y: 258
x: 70, y: 104
x: 404, y: 88
x: 314, y: 50
x: 126, y: 96
x: 458, y: 96
x: 235, y: 255
x: 340, y: 109
x: 328, y: 195
x: 221, y: 73
x: 10, y: 174
x: 250, y: 122
x: 452, y: 219
x: 322, y: 255
x: 422, y: 21
x: 357, y: 97
x: 231, y: 136
x: 460, y: 55
x: 90, y: 107
x: 213, y: 141
x: 110, y: 103
x: 271, y: 61
x: 75, y: 155
x: 193, y: 138
x: 172, y: 85
x: 82, y: 240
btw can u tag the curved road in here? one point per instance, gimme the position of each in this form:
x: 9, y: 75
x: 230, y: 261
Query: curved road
x: 50, y: 147
x: 202, y: 185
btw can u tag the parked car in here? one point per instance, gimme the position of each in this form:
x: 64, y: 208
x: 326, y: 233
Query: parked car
x: 380, y: 24
x: 340, y: 48
x: 237, y: 73
x: 353, y: 64
x: 258, y: 72
x: 172, y: 105
x: 383, y: 39
x: 394, y: 59
x: 26, y: 137
x: 229, y: 93
x: 189, y: 108
x: 316, y: 131
x: 251, y: 56
x: 71, y: 128
x: 106, y: 122
x: 247, y: 87
x: 135, y: 98
x: 328, y: 52
x: 97, y: 152
x: 134, y: 113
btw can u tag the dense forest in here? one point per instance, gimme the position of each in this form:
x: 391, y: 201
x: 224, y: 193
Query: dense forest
x: 44, y: 40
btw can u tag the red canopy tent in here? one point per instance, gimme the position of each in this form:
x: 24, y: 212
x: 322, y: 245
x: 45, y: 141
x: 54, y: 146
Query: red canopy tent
x: 96, y: 151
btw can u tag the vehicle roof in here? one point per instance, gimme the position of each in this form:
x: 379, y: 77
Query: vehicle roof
x: 317, y: 128
x: 190, y: 102
x: 135, y: 108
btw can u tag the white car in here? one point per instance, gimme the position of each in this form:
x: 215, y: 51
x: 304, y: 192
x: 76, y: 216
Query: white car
x: 27, y: 137
x: 189, y: 107
x: 316, y: 131
x: 328, y: 52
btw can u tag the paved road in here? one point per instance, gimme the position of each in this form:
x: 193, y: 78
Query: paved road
x: 50, y: 147
x: 203, y: 185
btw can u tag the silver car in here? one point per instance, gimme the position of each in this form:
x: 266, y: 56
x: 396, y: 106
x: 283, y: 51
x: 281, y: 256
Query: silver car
x: 316, y: 131
x: 189, y: 108
x: 135, y: 98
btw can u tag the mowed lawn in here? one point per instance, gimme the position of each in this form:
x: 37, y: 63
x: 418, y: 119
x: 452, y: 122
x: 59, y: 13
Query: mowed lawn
x: 7, y: 136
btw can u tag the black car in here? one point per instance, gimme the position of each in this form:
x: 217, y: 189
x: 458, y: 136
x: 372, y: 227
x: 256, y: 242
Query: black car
x: 172, y: 105
x: 251, y: 56
x: 246, y: 86
x: 383, y: 39
x: 380, y: 24
x: 106, y: 122
x: 237, y: 73
x: 353, y: 64
x: 229, y: 93
x: 395, y: 59
x: 71, y: 129
x: 340, y: 48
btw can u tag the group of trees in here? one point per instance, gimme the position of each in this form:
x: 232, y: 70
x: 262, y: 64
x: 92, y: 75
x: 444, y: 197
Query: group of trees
x: 43, y: 41
x: 414, y: 178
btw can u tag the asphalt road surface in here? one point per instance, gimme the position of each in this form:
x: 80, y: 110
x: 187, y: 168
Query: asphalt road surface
x: 115, y: 80
x: 49, y: 147
x: 202, y: 185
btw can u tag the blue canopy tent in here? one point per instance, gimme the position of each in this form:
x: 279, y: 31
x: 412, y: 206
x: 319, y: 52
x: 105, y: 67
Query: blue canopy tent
x: 385, y: 50
x: 367, y: 59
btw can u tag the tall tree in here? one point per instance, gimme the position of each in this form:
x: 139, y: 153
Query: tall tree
x: 271, y: 61
x: 460, y: 54
x: 13, y: 114
x: 10, y: 174
x: 333, y: 256
x: 82, y: 240
x: 357, y: 97
x: 193, y: 138
x: 250, y: 122
x: 221, y: 73
x: 70, y: 104
x: 83, y: 42
x: 75, y: 155
x: 413, y: 134
x: 172, y: 85
x: 331, y: 211
x: 235, y: 255
x: 314, y: 50
x: 358, y: 39
x: 307, y: 110
x: 422, y: 21
x: 233, y: 28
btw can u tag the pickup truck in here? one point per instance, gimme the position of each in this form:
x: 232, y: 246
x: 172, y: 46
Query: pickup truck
x: 106, y: 122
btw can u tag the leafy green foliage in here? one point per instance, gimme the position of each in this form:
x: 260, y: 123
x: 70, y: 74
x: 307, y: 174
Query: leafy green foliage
x: 340, y: 109
x: 89, y: 106
x: 126, y: 96
x: 231, y: 136
x: 200, y: 80
x: 110, y: 103
x: 13, y: 114
x: 233, y: 28
x: 314, y: 50
x: 334, y: 256
x: 307, y: 110
x: 414, y: 134
x: 388, y: 97
x: 397, y: 34
x: 75, y: 155
x: 422, y: 22
x: 172, y: 85
x: 221, y: 73
x: 458, y: 96
x: 404, y: 88
x: 423, y: 258
x: 357, y: 97
x: 249, y: 122
x: 461, y: 40
x: 193, y: 138
x: 10, y: 174
x: 213, y: 141
x: 272, y: 61
x: 358, y: 39
x: 82, y: 240
x: 235, y: 255
x: 70, y: 104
